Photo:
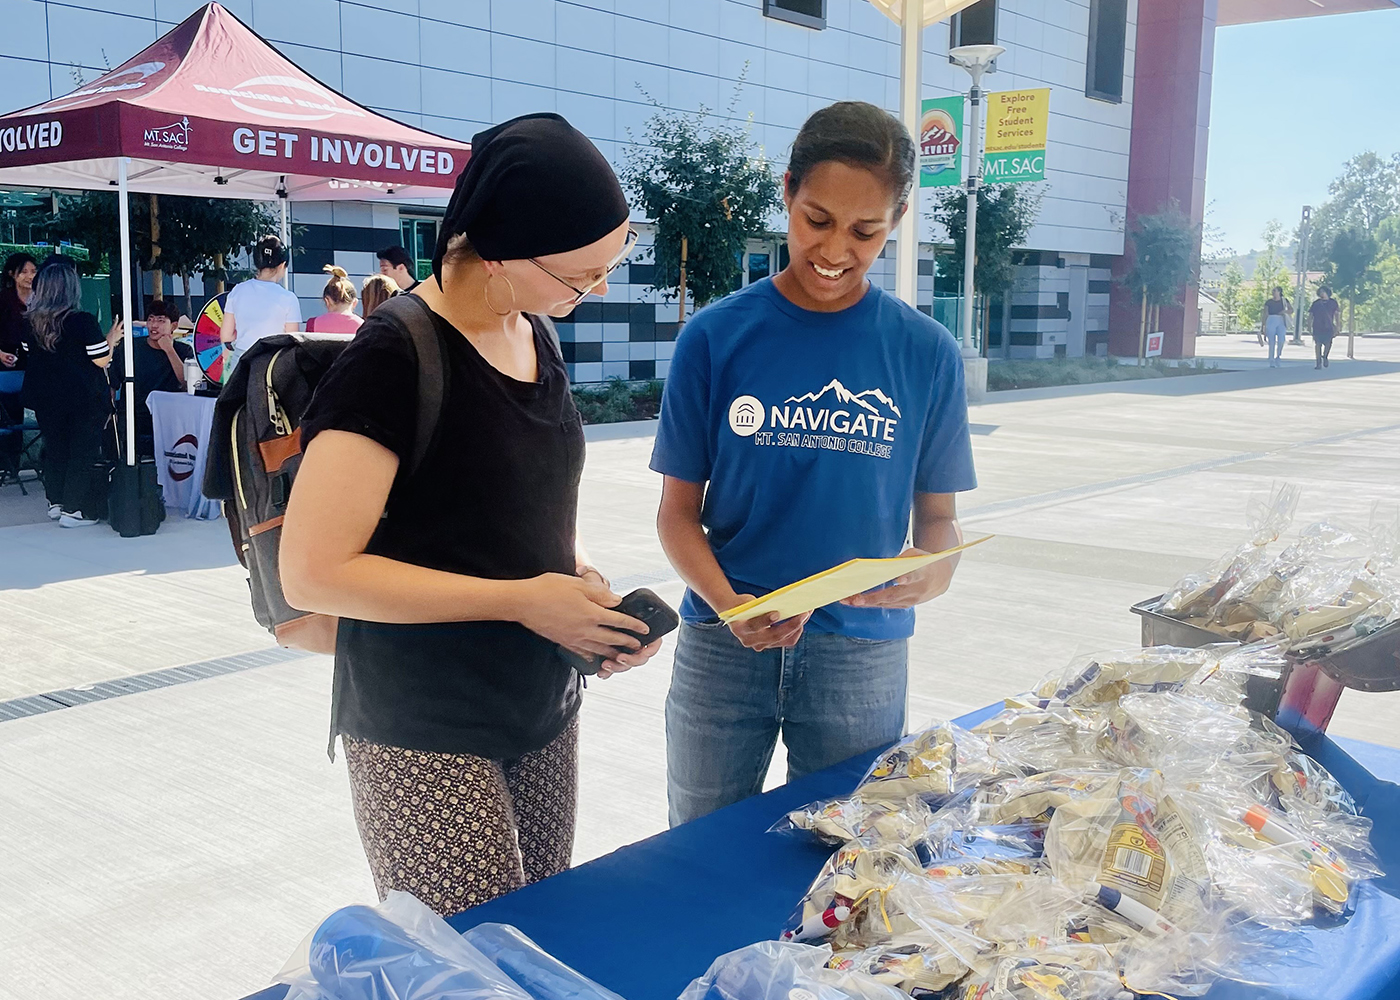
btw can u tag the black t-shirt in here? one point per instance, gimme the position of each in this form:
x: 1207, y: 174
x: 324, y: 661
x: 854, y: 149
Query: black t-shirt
x: 12, y: 326
x: 1324, y: 317
x: 66, y: 376
x: 496, y: 497
x: 153, y: 374
x: 1275, y: 306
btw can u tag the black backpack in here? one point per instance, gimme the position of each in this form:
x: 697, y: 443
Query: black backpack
x: 255, y: 450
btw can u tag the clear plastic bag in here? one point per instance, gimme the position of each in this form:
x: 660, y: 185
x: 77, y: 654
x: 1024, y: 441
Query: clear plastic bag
x: 1038, y: 976
x: 538, y: 973
x: 1098, y: 682
x: 398, y: 950
x: 839, y: 821
x: 1197, y: 593
x: 932, y: 764
x: 846, y: 883
x: 777, y: 970
x: 1030, y: 736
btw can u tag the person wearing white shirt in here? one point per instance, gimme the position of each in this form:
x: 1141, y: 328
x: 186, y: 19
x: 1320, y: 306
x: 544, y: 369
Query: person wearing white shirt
x: 260, y: 307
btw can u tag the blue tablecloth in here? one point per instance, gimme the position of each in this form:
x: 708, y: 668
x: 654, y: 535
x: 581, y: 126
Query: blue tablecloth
x: 647, y: 919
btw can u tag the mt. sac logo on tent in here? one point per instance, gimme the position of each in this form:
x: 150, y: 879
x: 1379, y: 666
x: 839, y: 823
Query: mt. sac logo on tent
x: 173, y: 136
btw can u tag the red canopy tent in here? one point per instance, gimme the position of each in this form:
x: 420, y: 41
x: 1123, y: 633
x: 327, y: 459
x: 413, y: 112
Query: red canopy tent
x: 212, y: 109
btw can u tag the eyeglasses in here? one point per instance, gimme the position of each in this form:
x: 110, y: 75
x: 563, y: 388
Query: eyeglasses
x: 582, y: 293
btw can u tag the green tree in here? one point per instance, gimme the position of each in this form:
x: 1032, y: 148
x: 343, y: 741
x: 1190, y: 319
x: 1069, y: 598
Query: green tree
x: 1166, y: 260
x: 1005, y: 215
x: 702, y: 183
x: 1351, y: 270
x: 1232, y: 294
x: 1363, y: 195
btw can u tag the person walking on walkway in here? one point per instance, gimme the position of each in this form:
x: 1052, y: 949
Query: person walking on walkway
x: 1277, y: 311
x: 260, y: 307
x: 339, y: 297
x: 458, y: 587
x: 1324, y: 313
x: 807, y: 418
x: 66, y: 387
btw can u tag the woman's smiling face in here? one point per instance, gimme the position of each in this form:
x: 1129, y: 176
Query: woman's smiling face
x: 839, y: 220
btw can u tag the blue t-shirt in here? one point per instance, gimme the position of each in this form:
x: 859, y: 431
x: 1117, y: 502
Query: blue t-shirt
x: 814, y: 431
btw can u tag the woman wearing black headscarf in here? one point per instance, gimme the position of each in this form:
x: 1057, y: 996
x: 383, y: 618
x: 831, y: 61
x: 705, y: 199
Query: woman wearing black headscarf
x: 458, y: 585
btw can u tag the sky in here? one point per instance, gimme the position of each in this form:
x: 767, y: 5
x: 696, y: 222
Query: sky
x: 1291, y: 102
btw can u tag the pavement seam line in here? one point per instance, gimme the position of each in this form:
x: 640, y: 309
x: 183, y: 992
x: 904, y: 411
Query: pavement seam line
x: 152, y: 680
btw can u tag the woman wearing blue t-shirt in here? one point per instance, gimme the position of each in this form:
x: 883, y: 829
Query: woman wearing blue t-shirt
x: 807, y: 420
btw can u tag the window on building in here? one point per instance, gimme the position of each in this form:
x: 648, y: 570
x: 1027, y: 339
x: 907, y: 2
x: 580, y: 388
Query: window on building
x: 808, y: 13
x: 975, y: 25
x: 1108, y: 41
x: 419, y: 238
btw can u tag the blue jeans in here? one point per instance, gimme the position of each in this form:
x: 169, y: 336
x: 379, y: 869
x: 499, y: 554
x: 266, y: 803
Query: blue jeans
x: 831, y: 697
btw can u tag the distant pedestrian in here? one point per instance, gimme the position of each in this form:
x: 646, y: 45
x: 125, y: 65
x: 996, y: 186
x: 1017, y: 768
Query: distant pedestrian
x: 66, y: 387
x: 376, y: 290
x: 395, y: 263
x: 260, y: 307
x: 339, y: 297
x: 1277, y: 310
x: 1324, y: 313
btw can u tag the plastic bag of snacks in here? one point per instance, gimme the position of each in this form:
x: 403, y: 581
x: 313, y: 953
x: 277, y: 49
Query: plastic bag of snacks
x: 839, y: 821
x: 932, y: 764
x: 777, y: 970
x: 1037, y: 977
x: 847, y: 882
x: 1099, y: 681
x: 1031, y: 738
x: 1197, y: 593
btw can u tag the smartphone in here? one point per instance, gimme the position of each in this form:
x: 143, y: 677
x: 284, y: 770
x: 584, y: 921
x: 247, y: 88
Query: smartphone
x: 642, y: 605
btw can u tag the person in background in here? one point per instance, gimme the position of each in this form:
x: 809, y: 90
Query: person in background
x: 808, y: 419
x: 66, y: 387
x: 16, y: 288
x: 396, y: 264
x: 459, y: 586
x: 1324, y: 313
x: 376, y: 290
x: 1277, y: 310
x: 339, y: 297
x: 159, y: 367
x: 260, y: 307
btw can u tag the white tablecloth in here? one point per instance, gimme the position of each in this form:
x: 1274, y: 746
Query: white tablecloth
x: 181, y: 423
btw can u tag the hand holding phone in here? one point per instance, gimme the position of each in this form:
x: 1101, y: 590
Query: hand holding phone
x: 642, y: 605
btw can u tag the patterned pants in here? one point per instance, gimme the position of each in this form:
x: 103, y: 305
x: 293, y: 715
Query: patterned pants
x: 457, y: 830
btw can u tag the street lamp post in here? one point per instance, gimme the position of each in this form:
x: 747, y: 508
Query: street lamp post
x: 1302, y: 274
x: 976, y: 59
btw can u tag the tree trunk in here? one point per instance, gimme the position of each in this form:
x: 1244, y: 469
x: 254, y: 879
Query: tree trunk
x: 158, y: 276
x: 1351, y: 328
x: 987, y: 323
x: 219, y: 263
x: 685, y: 257
x: 1142, y: 330
x: 189, y: 302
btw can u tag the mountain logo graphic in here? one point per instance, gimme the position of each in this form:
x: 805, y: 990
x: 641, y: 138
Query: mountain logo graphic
x: 846, y: 396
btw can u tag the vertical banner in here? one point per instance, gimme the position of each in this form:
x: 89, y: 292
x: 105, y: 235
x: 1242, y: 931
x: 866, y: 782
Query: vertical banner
x: 1016, y: 127
x: 940, y: 142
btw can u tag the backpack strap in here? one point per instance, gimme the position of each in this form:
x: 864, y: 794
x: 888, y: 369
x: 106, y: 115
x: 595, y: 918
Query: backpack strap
x: 416, y: 320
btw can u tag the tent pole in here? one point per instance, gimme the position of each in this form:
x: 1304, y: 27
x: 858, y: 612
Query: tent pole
x: 286, y: 234
x: 128, y: 351
x: 906, y: 252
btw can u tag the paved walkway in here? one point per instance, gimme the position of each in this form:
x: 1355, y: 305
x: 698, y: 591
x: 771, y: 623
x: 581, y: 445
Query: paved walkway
x: 179, y: 841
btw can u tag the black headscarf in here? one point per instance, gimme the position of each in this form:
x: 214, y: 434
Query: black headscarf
x: 534, y: 186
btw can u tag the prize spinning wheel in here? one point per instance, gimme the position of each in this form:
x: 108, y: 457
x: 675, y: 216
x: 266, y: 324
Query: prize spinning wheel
x: 208, y: 349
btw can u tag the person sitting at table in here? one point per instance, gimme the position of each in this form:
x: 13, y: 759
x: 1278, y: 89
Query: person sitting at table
x: 805, y: 418
x: 459, y: 586
x: 376, y: 290
x: 339, y: 297
x: 66, y: 387
x: 259, y: 307
x: 159, y: 366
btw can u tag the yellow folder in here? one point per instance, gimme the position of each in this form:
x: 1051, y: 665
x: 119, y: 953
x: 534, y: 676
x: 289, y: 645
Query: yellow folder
x: 836, y: 584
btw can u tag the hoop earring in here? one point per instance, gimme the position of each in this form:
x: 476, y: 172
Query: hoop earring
x: 487, y: 295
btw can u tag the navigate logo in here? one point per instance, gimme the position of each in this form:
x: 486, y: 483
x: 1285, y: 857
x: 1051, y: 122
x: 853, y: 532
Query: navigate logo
x: 174, y: 136
x: 833, y: 418
x: 180, y: 464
